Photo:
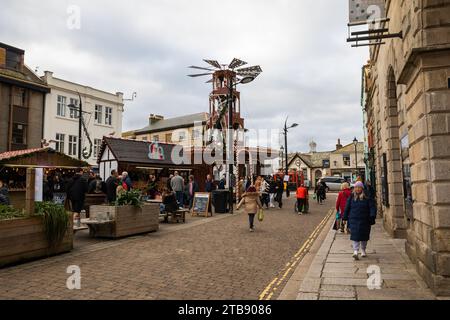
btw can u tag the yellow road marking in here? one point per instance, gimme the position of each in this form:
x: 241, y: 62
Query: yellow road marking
x: 296, y: 258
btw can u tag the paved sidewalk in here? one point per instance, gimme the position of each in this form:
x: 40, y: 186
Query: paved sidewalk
x: 334, y: 275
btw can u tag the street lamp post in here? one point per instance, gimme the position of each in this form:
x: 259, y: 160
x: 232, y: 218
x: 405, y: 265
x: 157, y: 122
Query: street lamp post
x: 286, y: 130
x: 79, y: 110
x: 230, y: 145
x: 231, y: 160
x: 355, y: 142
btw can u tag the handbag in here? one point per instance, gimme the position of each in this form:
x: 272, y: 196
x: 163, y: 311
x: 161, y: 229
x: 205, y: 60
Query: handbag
x: 260, y: 215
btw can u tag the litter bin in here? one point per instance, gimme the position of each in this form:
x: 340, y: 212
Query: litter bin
x: 220, y: 199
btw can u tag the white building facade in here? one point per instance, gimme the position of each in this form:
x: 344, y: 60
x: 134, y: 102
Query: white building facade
x: 102, y: 113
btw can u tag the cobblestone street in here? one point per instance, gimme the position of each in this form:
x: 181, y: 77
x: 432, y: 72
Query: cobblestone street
x: 216, y: 258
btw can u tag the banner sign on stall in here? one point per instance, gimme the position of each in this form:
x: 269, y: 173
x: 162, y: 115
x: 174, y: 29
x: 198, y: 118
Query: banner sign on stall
x: 39, y: 185
x: 155, y: 152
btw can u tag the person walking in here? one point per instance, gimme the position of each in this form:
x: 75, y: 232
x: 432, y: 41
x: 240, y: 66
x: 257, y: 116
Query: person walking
x: 264, y: 191
x: 279, y: 189
x: 319, y: 191
x: 240, y: 190
x: 302, y: 196
x: 369, y: 190
x: 4, y: 194
x: 222, y: 183
x: 111, y: 187
x: 76, y: 191
x: 177, y: 184
x: 341, y: 202
x: 361, y: 213
x: 210, y: 186
x: 168, y: 183
x: 258, y: 184
x: 251, y: 201
x: 152, y: 187
x: 126, y: 181
x: 192, y: 189
x: 58, y: 184
x: 272, y: 192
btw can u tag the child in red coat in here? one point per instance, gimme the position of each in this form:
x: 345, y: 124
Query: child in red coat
x: 340, y: 204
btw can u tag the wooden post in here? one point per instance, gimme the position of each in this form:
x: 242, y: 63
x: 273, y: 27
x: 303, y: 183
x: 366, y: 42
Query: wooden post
x: 29, y: 195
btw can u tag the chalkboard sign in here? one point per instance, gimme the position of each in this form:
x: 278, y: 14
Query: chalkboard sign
x: 59, y: 198
x: 201, y: 204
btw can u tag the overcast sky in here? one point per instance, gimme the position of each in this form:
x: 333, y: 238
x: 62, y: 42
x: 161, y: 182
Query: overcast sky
x: 310, y: 73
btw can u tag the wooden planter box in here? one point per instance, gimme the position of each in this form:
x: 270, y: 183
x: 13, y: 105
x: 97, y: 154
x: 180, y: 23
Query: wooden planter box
x: 24, y: 239
x: 118, y: 222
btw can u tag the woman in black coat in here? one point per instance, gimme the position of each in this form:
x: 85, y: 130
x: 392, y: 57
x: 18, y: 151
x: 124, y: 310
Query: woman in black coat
x: 360, y: 212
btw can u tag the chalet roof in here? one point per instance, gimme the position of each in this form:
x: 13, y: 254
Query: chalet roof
x: 350, y: 148
x: 18, y: 153
x: 134, y: 151
x: 174, y: 123
x: 39, y: 157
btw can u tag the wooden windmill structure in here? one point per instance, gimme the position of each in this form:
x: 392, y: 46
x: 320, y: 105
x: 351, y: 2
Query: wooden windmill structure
x: 224, y: 81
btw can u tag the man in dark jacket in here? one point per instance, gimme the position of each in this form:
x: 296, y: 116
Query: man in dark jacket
x: 4, y: 197
x: 209, y: 184
x: 96, y: 186
x: 192, y: 188
x: 76, y: 191
x: 279, y: 189
x: 222, y: 183
x: 111, y: 187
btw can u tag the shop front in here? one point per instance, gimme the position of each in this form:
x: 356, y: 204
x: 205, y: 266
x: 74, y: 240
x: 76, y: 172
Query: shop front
x: 142, y: 159
x: 53, y: 169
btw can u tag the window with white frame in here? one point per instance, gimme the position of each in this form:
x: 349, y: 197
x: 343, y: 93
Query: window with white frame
x: 97, y: 145
x: 73, y: 143
x: 346, y: 159
x: 98, y: 113
x: 156, y: 138
x: 61, y: 106
x: 60, y: 138
x: 108, y: 116
x: 73, y: 113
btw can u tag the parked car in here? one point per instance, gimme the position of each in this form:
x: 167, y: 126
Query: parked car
x: 333, y: 183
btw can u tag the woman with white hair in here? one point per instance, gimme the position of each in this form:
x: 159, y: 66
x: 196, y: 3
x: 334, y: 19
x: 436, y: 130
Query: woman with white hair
x: 360, y: 212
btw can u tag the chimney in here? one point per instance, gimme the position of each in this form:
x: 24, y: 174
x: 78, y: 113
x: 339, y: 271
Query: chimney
x: 47, y: 76
x: 339, y: 145
x: 154, y: 118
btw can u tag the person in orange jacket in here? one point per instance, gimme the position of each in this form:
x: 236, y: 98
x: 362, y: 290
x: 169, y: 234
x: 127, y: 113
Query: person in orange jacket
x: 302, y: 198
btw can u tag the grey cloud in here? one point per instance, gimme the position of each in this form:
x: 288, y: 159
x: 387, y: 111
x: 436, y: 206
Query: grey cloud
x: 310, y: 72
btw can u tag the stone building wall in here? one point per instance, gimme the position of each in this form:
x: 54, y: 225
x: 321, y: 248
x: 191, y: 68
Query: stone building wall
x: 409, y: 104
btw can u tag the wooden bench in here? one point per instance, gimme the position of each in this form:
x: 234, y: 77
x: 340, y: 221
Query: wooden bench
x: 96, y: 226
x: 180, y: 214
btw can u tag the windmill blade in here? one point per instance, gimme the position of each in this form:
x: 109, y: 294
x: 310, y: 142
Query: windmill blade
x: 199, y: 75
x: 249, y: 71
x: 201, y: 68
x: 236, y: 63
x: 214, y: 63
x: 209, y: 81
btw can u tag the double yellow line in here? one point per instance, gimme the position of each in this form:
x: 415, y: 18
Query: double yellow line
x: 270, y: 290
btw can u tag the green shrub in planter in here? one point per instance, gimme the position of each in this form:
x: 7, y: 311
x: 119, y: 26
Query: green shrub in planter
x: 127, y: 198
x: 55, y: 219
x: 8, y: 213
